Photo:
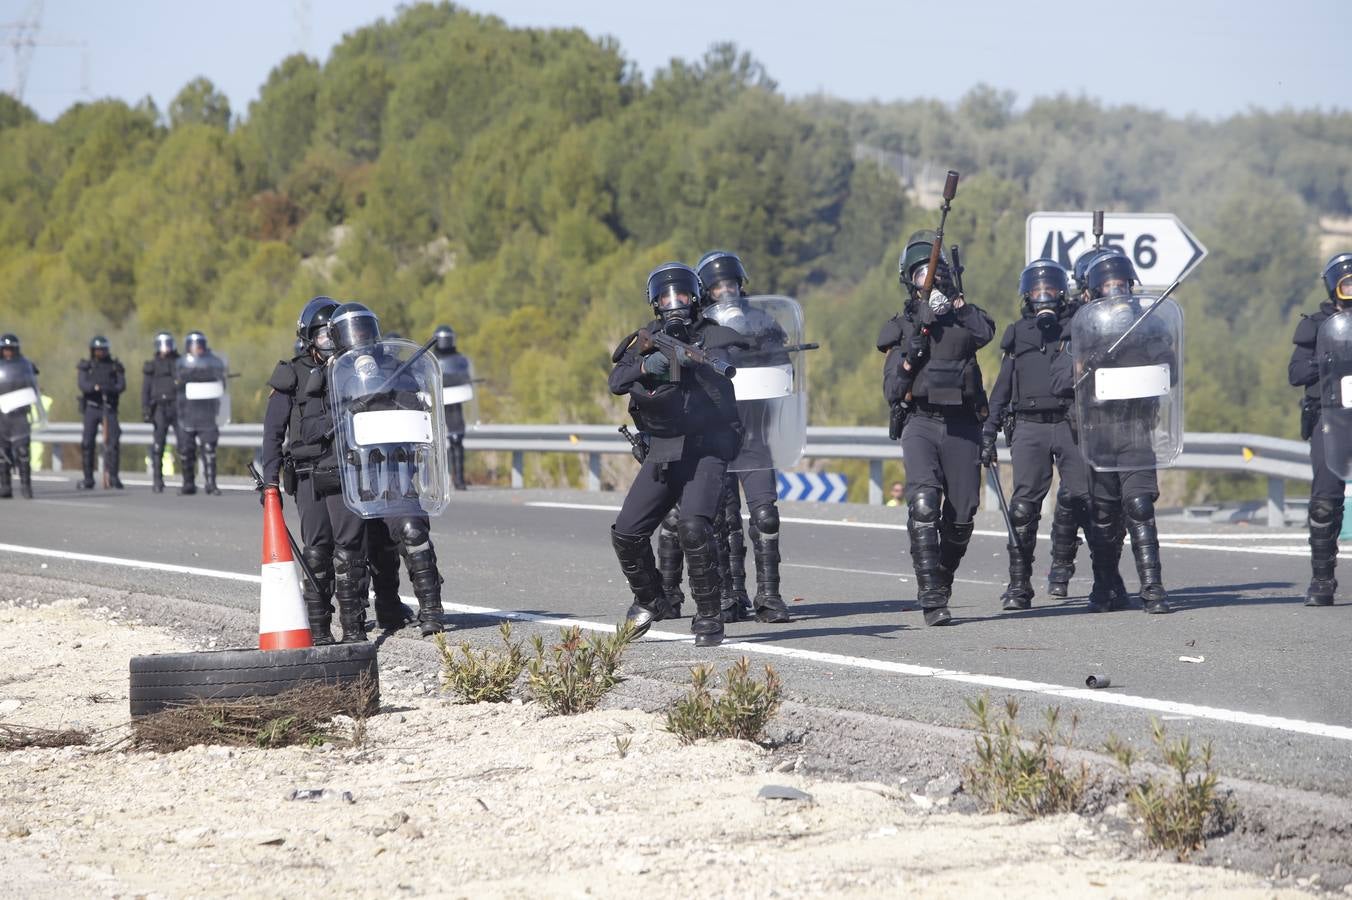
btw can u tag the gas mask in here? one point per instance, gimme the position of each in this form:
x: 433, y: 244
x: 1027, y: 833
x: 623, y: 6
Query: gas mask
x: 676, y: 310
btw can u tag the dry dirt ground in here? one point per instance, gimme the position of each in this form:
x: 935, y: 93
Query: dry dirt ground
x: 483, y: 801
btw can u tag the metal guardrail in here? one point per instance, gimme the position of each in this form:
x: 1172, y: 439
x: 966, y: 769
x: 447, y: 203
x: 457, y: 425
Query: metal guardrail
x: 1276, y: 459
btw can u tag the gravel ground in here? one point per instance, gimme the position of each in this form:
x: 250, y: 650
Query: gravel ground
x: 490, y: 801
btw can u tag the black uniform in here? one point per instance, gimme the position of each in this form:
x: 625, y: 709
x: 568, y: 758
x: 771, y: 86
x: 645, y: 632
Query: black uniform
x: 198, y: 425
x: 455, y: 372
x: 15, y: 429
x: 1326, y: 491
x: 941, y: 439
x: 333, y: 536
x: 694, y: 431
x: 159, y: 406
x: 1042, y: 436
x: 101, y: 383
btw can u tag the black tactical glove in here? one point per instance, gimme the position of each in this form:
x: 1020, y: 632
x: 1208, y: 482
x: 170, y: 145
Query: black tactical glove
x: 988, y: 448
x: 917, y: 349
x: 262, y: 494
x: 656, y: 365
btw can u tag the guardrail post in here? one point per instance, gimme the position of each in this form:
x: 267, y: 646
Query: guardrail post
x: 518, y: 469
x: 593, y: 471
x: 875, y: 482
x: 1276, y: 502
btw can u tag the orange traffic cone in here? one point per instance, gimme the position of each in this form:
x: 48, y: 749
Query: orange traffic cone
x: 282, y: 623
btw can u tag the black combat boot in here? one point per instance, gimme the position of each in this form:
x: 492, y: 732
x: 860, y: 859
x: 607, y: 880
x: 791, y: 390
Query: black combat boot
x: 730, y: 606
x: 635, y: 553
x: 933, y: 589
x: 209, y: 471
x: 458, y: 464
x: 157, y: 468
x: 1067, y: 520
x: 670, y: 566
x: 25, y: 478
x: 697, y: 540
x: 422, y: 571
x: 112, y: 462
x: 1145, y: 547
x: 87, y: 464
x: 770, y: 606
x: 319, y: 596
x: 1105, y: 554
x: 737, y: 557
x: 350, y: 587
x: 6, y: 485
x: 1326, y: 522
x: 187, y: 461
x: 1023, y: 518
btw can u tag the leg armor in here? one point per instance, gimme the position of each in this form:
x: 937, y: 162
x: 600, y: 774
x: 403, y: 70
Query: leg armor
x: 923, y: 527
x: 1023, y: 516
x: 670, y: 564
x: 770, y: 605
x: 697, y: 540
x: 1105, y: 552
x: 319, y: 603
x: 350, y: 587
x: 1145, y: 546
x: 457, y: 457
x: 732, y: 513
x: 187, y: 462
x: 1326, y: 521
x: 415, y: 541
x: 209, y: 469
x: 635, y: 553
x: 1071, y: 514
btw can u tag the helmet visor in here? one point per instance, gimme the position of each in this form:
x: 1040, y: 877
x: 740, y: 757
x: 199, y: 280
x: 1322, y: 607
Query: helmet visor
x: 1115, y: 287
x: 919, y: 273
x: 1343, y: 291
x: 1041, y: 293
x: 725, y: 289
x: 323, y: 339
x: 672, y: 298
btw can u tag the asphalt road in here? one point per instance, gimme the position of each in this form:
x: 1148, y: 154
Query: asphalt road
x: 1268, y: 685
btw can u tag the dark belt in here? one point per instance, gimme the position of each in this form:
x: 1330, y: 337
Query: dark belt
x: 938, y: 411
x: 1049, y: 416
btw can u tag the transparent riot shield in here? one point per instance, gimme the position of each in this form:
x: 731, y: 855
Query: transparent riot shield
x: 203, y: 391
x: 389, y: 430
x: 459, y: 393
x: 1130, y: 403
x: 1333, y: 350
x: 21, y: 409
x: 771, y: 379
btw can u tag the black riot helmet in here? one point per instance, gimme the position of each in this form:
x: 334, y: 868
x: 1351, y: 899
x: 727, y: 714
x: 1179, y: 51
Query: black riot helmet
x: 717, y: 269
x: 164, y: 342
x: 312, y: 328
x: 1338, y: 278
x: 673, y: 291
x: 912, y: 267
x: 99, y: 343
x: 9, y: 345
x: 353, y: 325
x: 445, y: 336
x: 195, y: 340
x: 1110, y: 275
x: 1043, y: 288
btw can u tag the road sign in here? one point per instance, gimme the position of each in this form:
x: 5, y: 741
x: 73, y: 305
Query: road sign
x: 1160, y: 246
x: 826, y: 487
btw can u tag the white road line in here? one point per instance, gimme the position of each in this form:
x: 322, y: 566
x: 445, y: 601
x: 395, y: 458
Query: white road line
x: 82, y: 504
x: 1149, y: 704
x: 1166, y: 540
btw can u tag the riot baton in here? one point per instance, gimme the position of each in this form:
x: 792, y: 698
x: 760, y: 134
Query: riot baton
x: 1098, y: 228
x: 106, y: 454
x: 993, y: 475
x: 295, y: 550
x: 1132, y: 327
x: 957, y: 268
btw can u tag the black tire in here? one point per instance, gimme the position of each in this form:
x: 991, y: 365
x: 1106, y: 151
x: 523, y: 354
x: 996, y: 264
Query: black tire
x: 167, y: 680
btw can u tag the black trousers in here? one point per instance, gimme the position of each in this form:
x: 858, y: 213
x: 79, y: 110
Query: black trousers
x: 1326, y: 485
x: 326, y: 522
x: 944, y: 452
x: 1111, y: 488
x: 1037, y: 447
x: 15, y: 444
x: 164, y: 417
x: 93, y: 427
x: 695, y: 481
x: 759, y: 485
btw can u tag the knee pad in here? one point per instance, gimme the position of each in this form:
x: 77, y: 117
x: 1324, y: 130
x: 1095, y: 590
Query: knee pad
x: 23, y: 452
x: 1104, y: 514
x: 457, y: 440
x: 320, y: 562
x: 1021, y: 512
x: 924, y: 505
x: 672, y: 520
x: 695, y: 532
x: 1323, y: 510
x: 157, y: 450
x: 766, y: 519
x: 413, y: 536
x: 208, y: 451
x: 349, y: 569
x: 1139, y: 509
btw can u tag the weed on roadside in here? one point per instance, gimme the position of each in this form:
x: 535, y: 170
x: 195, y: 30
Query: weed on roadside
x: 1180, y: 811
x: 483, y: 677
x: 26, y: 737
x: 742, y: 710
x: 1022, y: 775
x: 304, y: 717
x: 573, y: 675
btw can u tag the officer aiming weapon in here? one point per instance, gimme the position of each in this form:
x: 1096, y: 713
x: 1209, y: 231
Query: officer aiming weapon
x: 678, y: 350
x: 295, y: 550
x: 1107, y: 354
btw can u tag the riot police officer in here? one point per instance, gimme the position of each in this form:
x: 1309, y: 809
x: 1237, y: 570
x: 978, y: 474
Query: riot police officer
x: 723, y: 279
x: 1326, y: 492
x: 20, y: 408
x: 333, y: 536
x: 689, y: 412
x: 355, y: 329
x: 931, y: 378
x: 159, y: 404
x: 457, y: 380
x: 1042, y: 435
x: 1117, y: 424
x: 203, y: 406
x: 101, y: 379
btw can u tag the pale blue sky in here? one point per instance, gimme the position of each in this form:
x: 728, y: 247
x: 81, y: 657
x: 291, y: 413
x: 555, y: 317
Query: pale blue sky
x: 1208, y: 57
